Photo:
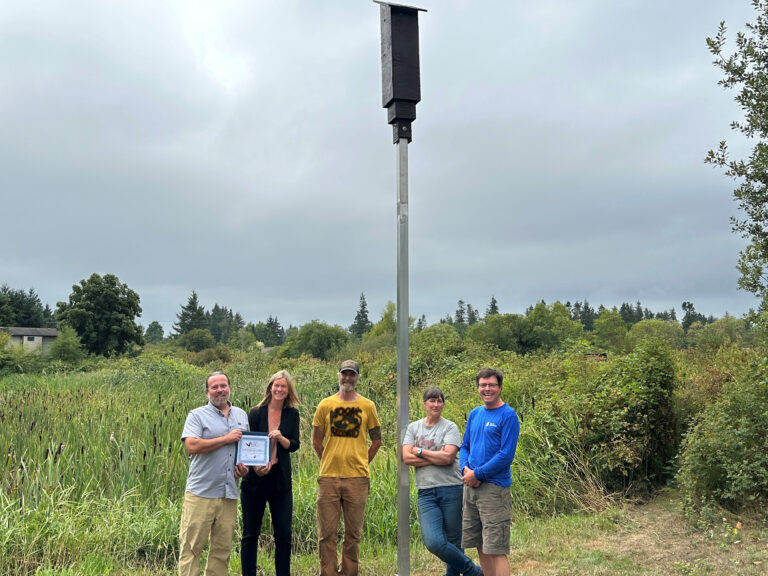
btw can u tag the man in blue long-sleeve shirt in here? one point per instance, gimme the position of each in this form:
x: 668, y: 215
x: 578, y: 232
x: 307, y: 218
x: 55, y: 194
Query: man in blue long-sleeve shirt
x: 485, y: 456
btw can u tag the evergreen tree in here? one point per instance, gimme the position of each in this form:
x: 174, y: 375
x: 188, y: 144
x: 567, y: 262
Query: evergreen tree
x: 460, y: 318
x: 461, y: 313
x: 585, y: 314
x: 691, y: 316
x: 647, y: 314
x: 668, y: 315
x: 270, y: 334
x: 362, y: 323
x: 49, y: 320
x: 217, y: 322
x: 472, y: 315
x: 631, y: 314
x: 421, y: 323
x: 493, y: 307
x: 223, y: 323
x: 20, y: 308
x: 191, y: 317
x: 260, y: 332
x: 6, y: 312
x: 575, y: 311
x: 275, y: 331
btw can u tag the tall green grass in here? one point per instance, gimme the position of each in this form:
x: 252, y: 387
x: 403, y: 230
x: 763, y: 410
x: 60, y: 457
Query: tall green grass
x: 93, y: 469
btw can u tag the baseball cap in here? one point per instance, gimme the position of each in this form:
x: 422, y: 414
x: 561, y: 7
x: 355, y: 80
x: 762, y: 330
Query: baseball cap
x: 350, y: 365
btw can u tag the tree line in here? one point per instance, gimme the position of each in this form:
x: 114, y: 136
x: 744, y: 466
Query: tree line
x: 102, y: 313
x: 24, y: 308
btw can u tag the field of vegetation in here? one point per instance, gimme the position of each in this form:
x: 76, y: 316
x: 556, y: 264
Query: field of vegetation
x: 93, y: 470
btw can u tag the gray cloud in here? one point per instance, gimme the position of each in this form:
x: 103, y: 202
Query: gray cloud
x: 241, y: 150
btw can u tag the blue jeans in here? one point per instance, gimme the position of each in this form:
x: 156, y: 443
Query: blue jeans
x: 440, y: 521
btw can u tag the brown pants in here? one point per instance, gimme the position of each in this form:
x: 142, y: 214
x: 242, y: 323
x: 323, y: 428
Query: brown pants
x: 335, y: 495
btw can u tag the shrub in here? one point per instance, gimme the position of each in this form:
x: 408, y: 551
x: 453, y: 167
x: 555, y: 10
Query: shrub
x: 719, y: 333
x: 317, y: 339
x: 667, y: 331
x: 506, y: 331
x: 433, y: 348
x: 219, y: 355
x: 196, y: 340
x: 66, y: 347
x: 725, y: 456
x: 629, y: 420
x: 16, y: 360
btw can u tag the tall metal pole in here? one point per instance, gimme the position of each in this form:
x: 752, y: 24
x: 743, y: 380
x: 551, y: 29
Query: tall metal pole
x: 401, y: 91
x: 403, y: 478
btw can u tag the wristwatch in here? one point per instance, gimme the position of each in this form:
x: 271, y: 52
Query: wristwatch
x: 419, y: 451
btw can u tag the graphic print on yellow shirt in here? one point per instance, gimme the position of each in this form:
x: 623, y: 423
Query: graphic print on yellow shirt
x: 345, y: 428
x: 345, y: 422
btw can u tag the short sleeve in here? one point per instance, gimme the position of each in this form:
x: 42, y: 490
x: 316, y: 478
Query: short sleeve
x: 452, y: 436
x: 193, y: 428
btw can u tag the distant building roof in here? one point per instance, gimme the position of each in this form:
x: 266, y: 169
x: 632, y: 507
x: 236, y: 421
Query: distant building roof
x: 16, y: 331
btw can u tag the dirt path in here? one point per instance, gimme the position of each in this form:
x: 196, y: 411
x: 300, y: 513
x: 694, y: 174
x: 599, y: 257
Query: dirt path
x: 657, y: 536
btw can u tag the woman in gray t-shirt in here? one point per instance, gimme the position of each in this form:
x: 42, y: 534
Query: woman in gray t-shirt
x: 431, y: 445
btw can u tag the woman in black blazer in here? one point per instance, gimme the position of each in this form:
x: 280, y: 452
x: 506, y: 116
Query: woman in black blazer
x: 277, y: 415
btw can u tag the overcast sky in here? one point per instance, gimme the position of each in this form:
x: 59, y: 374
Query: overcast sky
x: 239, y: 149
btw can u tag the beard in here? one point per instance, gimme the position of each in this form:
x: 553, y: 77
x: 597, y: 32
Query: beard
x: 219, y: 401
x: 347, y: 387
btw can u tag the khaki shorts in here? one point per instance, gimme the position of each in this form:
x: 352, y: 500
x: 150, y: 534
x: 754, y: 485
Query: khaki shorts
x: 487, y: 518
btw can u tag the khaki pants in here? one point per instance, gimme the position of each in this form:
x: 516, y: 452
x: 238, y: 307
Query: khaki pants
x: 333, y: 496
x: 205, y: 519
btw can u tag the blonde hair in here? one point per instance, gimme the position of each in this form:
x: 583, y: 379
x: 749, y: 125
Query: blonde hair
x: 291, y: 400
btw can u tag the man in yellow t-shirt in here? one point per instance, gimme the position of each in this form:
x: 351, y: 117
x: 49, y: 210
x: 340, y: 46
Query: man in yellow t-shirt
x: 339, y: 438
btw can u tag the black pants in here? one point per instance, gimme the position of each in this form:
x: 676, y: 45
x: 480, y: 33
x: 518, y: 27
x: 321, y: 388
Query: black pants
x: 253, y: 499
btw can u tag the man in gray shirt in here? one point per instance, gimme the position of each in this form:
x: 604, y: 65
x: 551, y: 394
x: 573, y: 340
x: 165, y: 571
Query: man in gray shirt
x: 211, y: 434
x: 430, y: 446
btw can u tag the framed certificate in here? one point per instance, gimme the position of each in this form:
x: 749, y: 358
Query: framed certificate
x: 253, y: 449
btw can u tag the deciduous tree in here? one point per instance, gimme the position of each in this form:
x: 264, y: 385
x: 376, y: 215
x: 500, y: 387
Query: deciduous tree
x: 317, y: 339
x: 746, y: 72
x: 197, y: 340
x: 387, y: 324
x: 154, y: 333
x: 505, y: 331
x: 102, y: 312
x: 610, y: 330
x: 654, y: 329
